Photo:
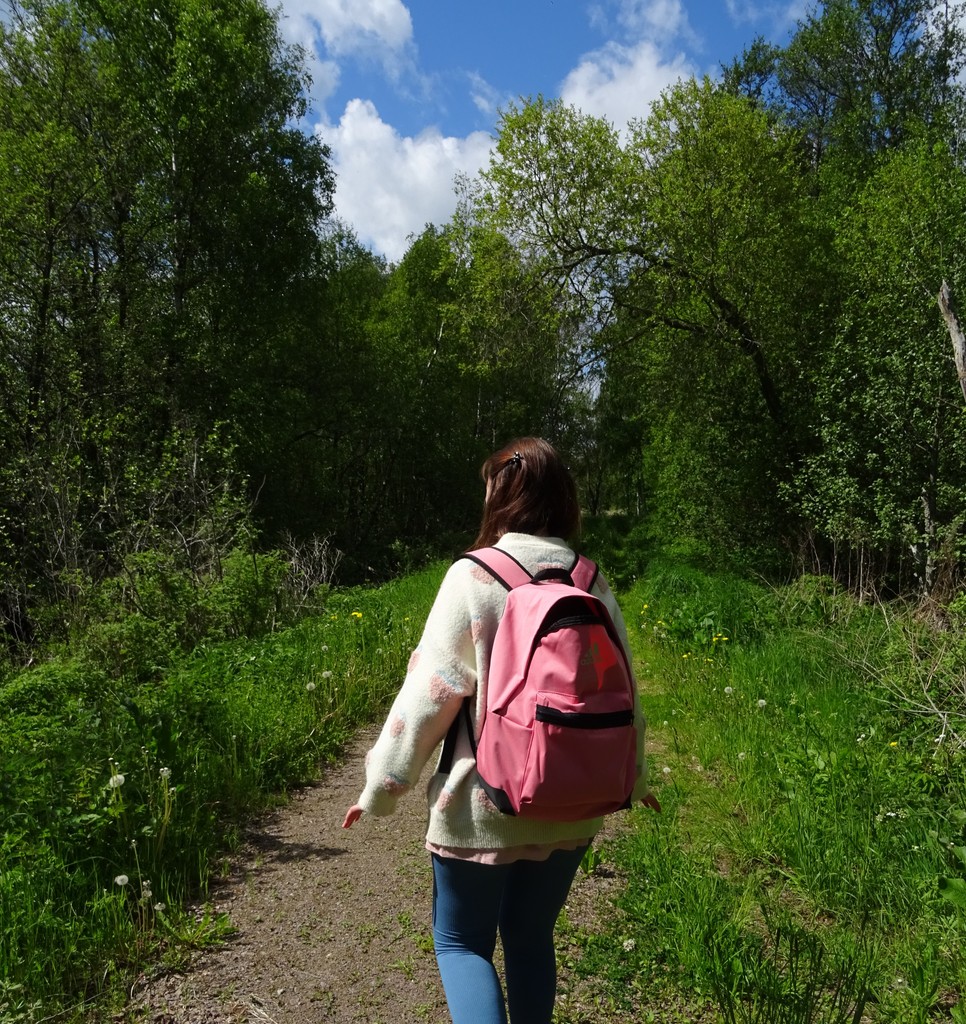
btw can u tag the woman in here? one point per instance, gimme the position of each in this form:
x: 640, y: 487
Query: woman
x: 491, y: 871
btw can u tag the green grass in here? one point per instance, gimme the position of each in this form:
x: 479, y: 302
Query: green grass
x: 118, y: 791
x: 809, y: 864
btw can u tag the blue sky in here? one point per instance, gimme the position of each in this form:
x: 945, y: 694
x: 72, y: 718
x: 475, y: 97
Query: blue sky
x: 407, y: 92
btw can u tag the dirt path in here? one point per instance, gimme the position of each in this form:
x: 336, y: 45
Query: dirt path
x: 333, y: 925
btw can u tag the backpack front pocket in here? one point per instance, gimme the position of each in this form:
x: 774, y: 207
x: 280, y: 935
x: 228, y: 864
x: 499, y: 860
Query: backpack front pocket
x: 582, y: 757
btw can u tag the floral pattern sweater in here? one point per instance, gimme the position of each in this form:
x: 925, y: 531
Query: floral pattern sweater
x: 450, y: 663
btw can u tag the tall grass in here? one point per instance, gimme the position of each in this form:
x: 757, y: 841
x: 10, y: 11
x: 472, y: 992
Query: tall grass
x: 119, y: 790
x: 811, y: 859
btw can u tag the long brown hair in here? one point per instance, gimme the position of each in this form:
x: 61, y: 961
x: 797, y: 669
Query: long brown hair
x: 530, y: 491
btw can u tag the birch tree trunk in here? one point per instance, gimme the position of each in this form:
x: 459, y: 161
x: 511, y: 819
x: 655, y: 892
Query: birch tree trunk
x: 955, y: 333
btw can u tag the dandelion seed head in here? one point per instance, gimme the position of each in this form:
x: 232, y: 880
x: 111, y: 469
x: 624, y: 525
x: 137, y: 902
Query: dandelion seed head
x: 762, y: 703
x: 116, y: 781
x: 121, y: 880
x: 729, y: 689
x: 665, y: 770
x: 165, y: 773
x: 327, y: 674
x: 310, y: 687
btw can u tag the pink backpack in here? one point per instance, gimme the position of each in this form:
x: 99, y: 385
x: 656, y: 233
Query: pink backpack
x: 558, y: 741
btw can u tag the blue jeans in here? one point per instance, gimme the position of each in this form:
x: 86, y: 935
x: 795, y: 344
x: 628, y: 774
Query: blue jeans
x: 523, y: 899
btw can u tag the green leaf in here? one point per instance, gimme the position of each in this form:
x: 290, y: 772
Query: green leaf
x: 953, y: 890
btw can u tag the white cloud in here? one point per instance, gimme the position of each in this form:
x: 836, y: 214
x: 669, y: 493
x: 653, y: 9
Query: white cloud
x: 333, y: 30
x: 330, y: 31
x: 325, y: 79
x: 621, y: 82
x: 653, y: 18
x: 353, y: 26
x: 486, y: 99
x: 639, y: 19
x: 390, y: 186
x: 776, y: 18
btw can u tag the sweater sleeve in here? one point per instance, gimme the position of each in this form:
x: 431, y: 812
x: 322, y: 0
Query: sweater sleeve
x: 442, y: 671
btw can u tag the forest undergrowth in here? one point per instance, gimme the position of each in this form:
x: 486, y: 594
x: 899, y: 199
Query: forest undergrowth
x: 809, y: 866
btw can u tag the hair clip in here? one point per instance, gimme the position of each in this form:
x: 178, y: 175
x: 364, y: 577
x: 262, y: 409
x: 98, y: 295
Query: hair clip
x: 517, y: 458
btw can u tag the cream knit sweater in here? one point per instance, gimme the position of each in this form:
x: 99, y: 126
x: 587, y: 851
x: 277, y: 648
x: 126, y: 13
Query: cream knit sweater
x: 450, y: 663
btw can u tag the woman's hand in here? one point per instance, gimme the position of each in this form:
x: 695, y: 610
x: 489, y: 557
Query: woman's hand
x: 353, y: 814
x: 651, y: 801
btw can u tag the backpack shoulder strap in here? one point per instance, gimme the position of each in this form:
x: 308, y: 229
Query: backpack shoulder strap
x: 504, y: 568
x: 501, y: 565
x: 585, y: 573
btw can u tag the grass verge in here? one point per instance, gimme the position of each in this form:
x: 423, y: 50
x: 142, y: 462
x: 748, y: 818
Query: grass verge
x: 810, y: 863
x: 118, y: 792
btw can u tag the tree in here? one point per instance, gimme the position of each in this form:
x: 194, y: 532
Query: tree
x: 157, y: 225
x: 861, y: 76
x: 695, y: 242
x: 889, y: 478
